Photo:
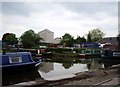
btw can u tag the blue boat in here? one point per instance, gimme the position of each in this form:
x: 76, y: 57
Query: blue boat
x: 17, y: 61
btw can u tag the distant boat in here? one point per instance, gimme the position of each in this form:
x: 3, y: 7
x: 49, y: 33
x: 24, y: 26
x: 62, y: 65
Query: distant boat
x: 89, y: 54
x: 109, y: 54
x: 17, y: 61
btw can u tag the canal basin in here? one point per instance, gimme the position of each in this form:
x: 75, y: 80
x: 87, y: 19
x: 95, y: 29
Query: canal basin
x: 53, y: 70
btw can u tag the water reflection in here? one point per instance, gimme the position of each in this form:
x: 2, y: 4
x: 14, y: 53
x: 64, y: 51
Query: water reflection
x: 46, y: 67
x: 55, y: 70
x: 109, y: 63
x: 92, y: 63
x: 67, y: 65
x: 59, y: 71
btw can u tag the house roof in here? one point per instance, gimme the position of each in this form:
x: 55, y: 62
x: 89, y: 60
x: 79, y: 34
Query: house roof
x: 112, y: 40
x: 46, y: 30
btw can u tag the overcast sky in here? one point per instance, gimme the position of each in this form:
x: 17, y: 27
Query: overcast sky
x: 75, y: 18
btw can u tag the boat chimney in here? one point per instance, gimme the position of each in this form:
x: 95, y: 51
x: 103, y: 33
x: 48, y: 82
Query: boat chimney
x: 4, y: 51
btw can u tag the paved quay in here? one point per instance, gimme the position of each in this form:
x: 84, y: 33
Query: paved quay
x: 114, y: 82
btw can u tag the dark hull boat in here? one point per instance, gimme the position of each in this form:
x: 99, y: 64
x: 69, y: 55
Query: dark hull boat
x: 89, y: 54
x: 19, y: 77
x: 111, y: 55
x: 17, y: 61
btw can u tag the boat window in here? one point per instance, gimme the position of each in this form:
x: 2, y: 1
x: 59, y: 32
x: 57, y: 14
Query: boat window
x: 15, y: 59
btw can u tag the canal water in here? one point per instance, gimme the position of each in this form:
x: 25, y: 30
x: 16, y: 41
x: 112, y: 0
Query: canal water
x: 54, y: 70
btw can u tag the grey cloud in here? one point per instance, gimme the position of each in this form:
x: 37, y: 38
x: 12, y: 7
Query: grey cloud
x: 24, y: 8
x: 0, y: 7
x: 13, y: 8
x: 119, y: 17
x: 92, y: 7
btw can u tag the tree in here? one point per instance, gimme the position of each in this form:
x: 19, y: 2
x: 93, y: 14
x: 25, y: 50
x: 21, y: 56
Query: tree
x: 30, y: 39
x: 118, y: 40
x: 96, y: 34
x: 67, y: 40
x: 89, y: 37
x: 83, y: 39
x: 9, y: 39
x: 80, y: 39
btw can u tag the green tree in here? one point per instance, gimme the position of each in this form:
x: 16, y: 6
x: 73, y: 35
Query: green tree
x: 30, y: 39
x: 80, y: 39
x: 96, y: 34
x: 67, y: 40
x: 89, y: 37
x: 118, y: 40
x: 9, y: 39
x: 83, y: 39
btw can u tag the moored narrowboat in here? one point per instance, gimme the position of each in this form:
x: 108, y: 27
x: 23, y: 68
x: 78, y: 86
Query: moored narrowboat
x: 18, y: 61
x: 89, y: 54
x: 109, y: 54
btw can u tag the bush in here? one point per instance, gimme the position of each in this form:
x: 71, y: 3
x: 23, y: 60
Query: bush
x: 58, y: 50
x: 67, y: 50
x: 78, y: 50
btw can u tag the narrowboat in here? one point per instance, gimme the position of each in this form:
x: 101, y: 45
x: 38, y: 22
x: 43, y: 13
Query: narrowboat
x: 89, y: 54
x: 110, y: 55
x: 17, y: 61
x: 15, y: 78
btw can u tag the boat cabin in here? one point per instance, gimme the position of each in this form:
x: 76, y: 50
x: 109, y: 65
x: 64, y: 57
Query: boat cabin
x: 17, y: 60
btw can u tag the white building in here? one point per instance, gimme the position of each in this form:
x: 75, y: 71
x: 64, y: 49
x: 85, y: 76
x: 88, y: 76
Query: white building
x: 47, y: 36
x: 57, y: 40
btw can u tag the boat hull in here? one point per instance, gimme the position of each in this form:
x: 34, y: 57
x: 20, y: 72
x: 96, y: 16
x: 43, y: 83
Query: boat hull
x: 89, y: 55
x: 19, y: 77
x: 111, y: 58
x: 110, y: 55
x: 19, y: 67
